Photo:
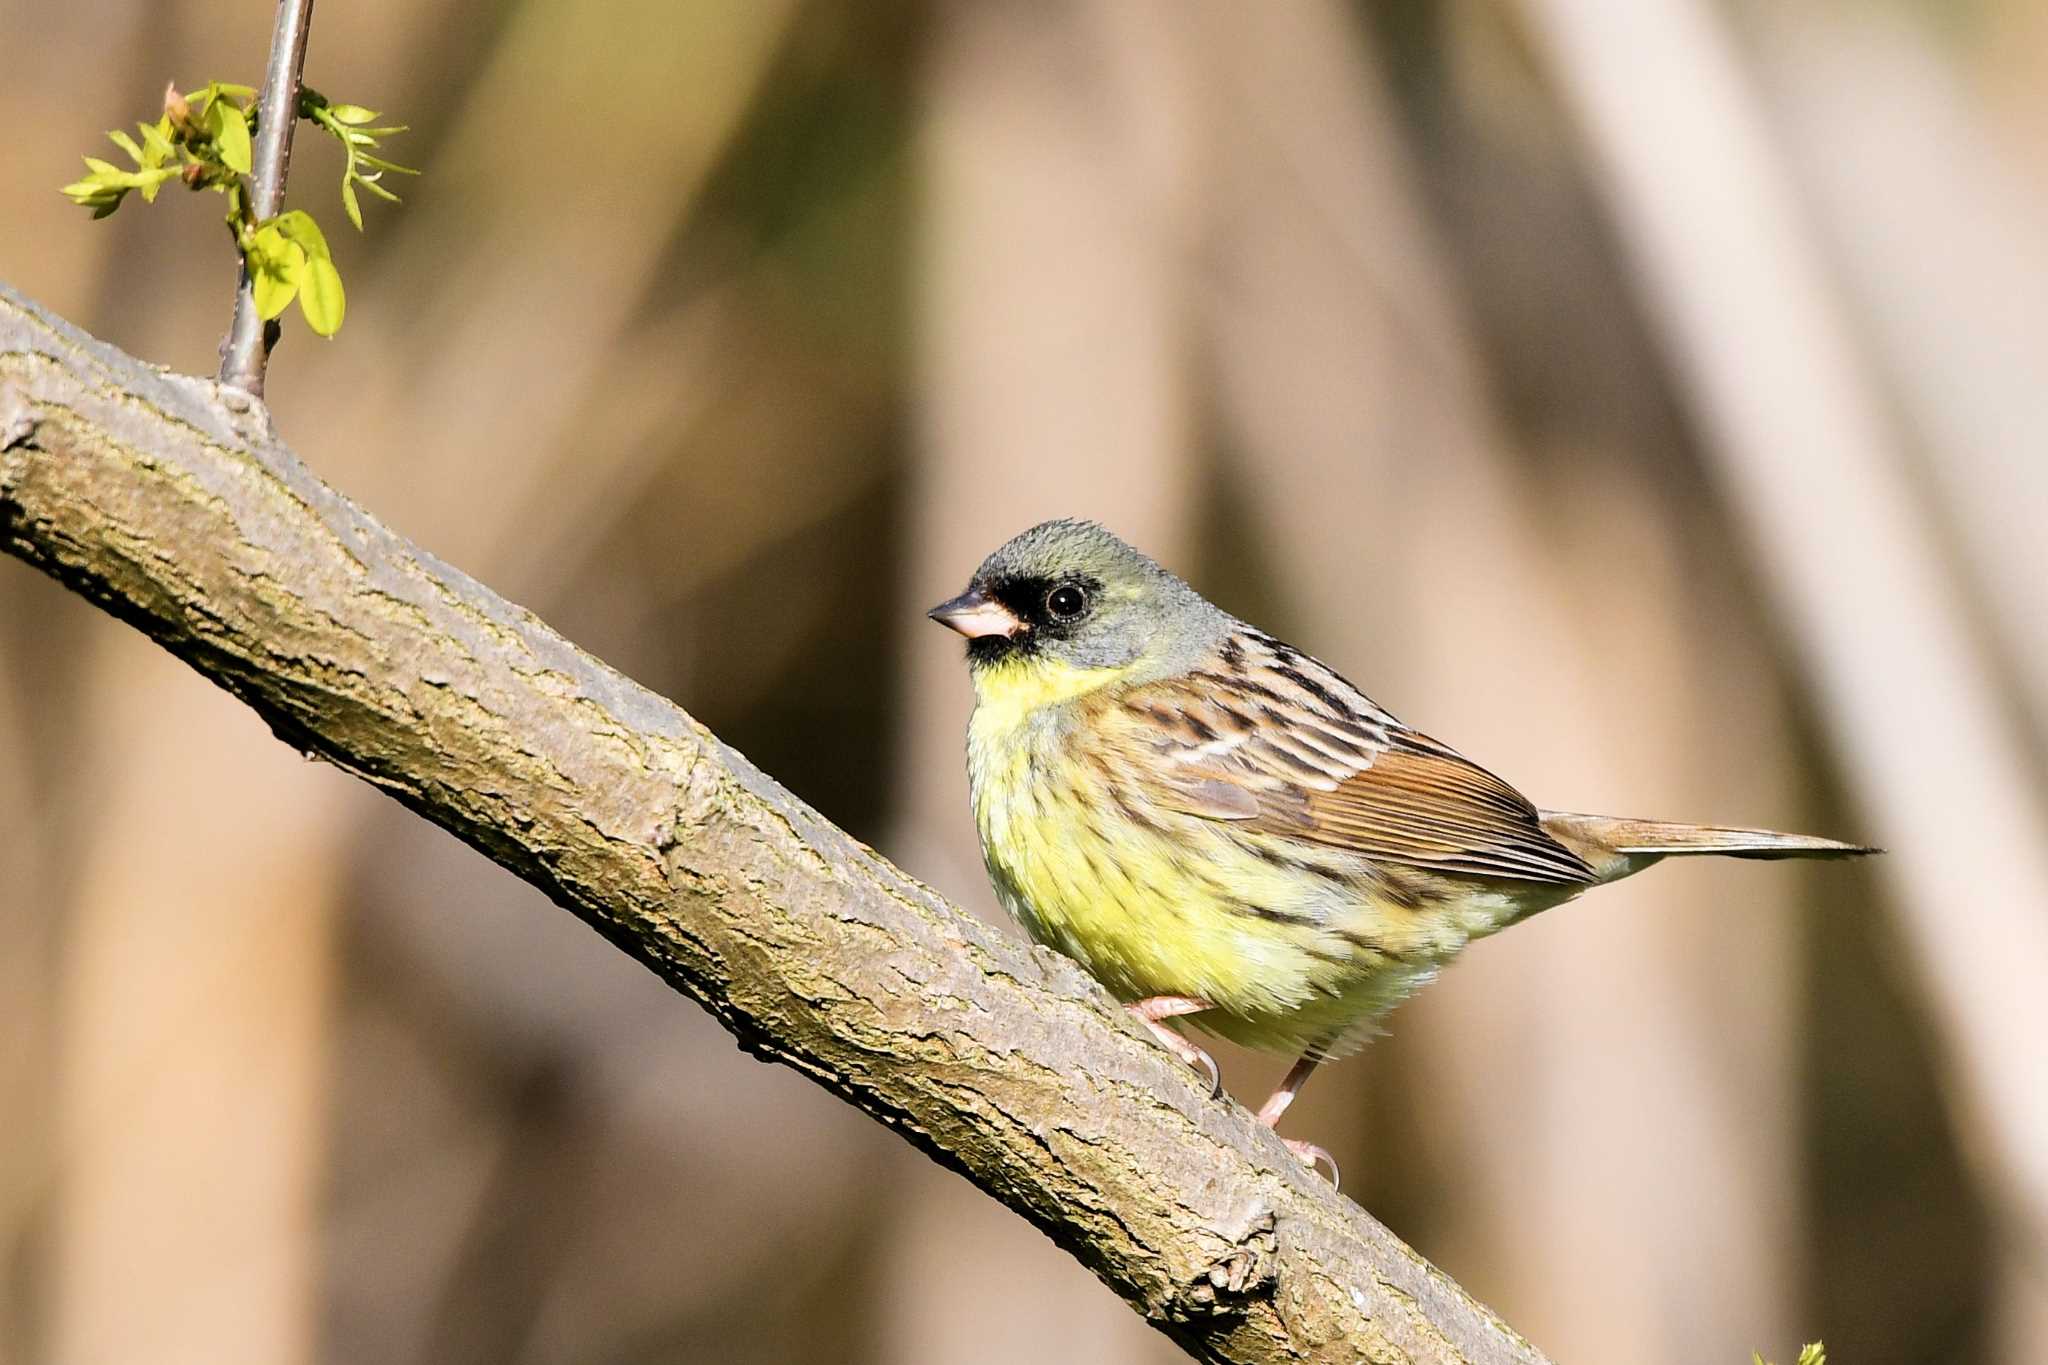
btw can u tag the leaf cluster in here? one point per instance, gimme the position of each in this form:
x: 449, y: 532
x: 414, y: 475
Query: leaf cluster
x: 349, y: 124
x: 1812, y: 1353
x: 288, y: 257
x: 205, y: 140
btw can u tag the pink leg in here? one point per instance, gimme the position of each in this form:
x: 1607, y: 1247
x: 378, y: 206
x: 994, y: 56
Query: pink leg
x: 1276, y: 1105
x: 1152, y: 1009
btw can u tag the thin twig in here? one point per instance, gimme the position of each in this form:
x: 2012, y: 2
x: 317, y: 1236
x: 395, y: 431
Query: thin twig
x: 245, y: 351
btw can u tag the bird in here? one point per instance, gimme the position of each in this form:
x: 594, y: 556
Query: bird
x: 1225, y: 832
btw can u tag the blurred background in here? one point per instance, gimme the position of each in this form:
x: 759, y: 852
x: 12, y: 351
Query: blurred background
x: 1650, y: 399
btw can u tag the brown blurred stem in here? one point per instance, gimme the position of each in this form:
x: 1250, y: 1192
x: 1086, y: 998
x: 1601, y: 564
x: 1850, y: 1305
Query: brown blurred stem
x: 139, y: 490
x: 245, y: 351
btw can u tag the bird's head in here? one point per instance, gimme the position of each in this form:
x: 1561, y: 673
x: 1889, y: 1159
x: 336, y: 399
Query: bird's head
x: 1068, y: 606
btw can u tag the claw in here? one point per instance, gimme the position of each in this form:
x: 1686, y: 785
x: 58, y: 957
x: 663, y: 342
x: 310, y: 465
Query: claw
x: 1189, y: 1053
x: 1311, y: 1155
x: 1150, y: 1012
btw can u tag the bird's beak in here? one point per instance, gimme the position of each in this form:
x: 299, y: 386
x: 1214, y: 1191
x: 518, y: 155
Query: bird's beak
x: 975, y: 616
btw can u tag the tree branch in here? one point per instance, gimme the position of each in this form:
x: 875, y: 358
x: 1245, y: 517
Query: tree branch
x: 166, y: 501
x: 245, y: 351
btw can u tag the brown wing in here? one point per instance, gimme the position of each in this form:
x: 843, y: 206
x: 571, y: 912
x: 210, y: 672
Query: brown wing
x: 1275, y: 740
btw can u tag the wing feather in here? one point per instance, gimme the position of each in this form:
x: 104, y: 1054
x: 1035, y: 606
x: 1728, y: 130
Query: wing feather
x: 1279, y: 743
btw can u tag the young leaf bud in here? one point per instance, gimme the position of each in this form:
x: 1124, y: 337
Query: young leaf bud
x: 176, y: 109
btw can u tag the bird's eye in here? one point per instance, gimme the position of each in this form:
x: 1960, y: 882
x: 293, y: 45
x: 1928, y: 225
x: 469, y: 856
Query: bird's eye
x: 1066, y: 602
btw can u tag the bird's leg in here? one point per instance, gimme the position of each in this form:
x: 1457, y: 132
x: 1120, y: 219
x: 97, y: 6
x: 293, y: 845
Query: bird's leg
x: 1152, y: 1009
x: 1276, y: 1105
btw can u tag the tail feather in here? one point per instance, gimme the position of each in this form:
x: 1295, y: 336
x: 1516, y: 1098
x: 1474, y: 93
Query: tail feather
x: 1615, y: 846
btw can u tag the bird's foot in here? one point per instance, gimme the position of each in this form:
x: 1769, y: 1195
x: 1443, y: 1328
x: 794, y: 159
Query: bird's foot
x: 1150, y: 1011
x: 1311, y: 1156
x: 1189, y: 1053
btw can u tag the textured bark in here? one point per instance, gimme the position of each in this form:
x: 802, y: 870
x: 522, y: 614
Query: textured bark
x: 167, y: 501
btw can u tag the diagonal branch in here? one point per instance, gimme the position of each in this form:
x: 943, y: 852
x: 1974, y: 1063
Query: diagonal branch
x: 158, y: 498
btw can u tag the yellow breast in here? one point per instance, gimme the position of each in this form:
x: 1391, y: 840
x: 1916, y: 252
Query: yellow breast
x: 1151, y: 902
x: 1295, y: 945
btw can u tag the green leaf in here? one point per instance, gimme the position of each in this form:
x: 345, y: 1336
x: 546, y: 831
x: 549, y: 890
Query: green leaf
x: 352, y: 113
x: 320, y: 296
x: 230, y: 129
x: 156, y: 137
x: 349, y: 205
x: 128, y: 145
x: 223, y: 91
x: 381, y: 164
x: 310, y: 268
x: 96, y: 195
x: 101, y: 181
x: 369, y: 182
x: 108, y: 177
x: 234, y: 144
x: 1813, y: 1353
x: 277, y: 266
x: 298, y: 226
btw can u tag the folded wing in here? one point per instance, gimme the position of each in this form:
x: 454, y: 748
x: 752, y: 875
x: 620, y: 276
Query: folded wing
x: 1280, y: 743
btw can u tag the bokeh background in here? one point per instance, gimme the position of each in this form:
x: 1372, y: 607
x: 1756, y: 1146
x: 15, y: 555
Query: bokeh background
x: 1650, y: 398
